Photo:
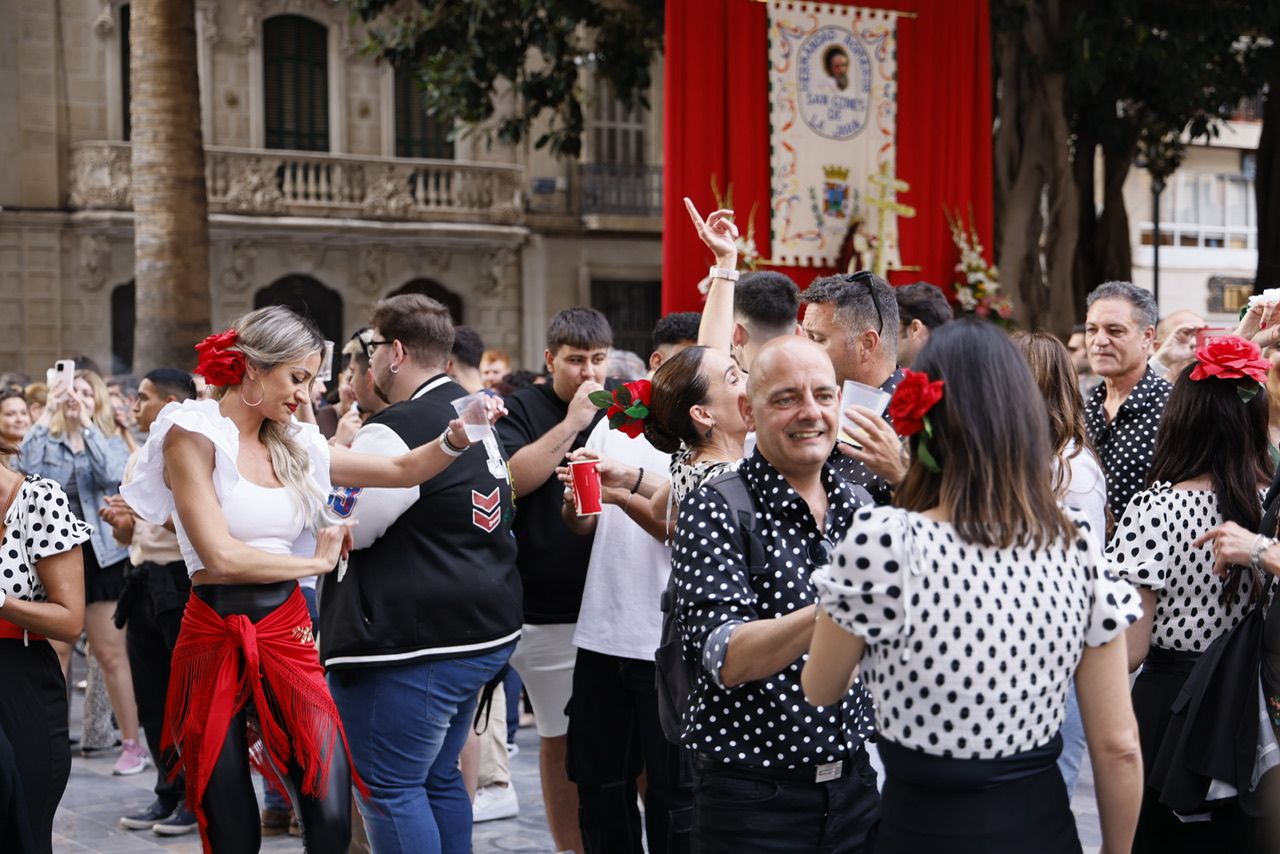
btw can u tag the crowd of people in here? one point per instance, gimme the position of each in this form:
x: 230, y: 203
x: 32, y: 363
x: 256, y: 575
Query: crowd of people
x: 794, y: 623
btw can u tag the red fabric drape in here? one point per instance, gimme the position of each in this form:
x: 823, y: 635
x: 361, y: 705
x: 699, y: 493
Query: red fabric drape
x: 717, y: 123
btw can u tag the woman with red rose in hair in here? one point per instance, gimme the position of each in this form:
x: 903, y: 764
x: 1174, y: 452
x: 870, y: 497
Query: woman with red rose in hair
x: 696, y: 416
x: 970, y: 607
x: 1210, y: 469
x: 246, y: 485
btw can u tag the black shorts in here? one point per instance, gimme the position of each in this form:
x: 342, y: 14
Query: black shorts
x: 101, y: 583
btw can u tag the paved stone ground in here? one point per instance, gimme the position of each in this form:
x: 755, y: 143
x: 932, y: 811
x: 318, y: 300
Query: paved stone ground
x: 95, y: 800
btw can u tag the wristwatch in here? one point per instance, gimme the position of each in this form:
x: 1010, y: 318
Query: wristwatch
x: 723, y: 273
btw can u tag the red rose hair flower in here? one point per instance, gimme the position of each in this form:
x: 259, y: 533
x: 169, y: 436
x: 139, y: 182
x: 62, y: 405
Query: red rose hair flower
x: 911, y: 402
x: 1230, y: 358
x: 626, y: 407
x: 218, y: 363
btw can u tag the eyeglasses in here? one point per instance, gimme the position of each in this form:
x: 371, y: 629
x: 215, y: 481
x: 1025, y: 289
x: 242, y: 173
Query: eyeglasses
x: 371, y: 345
x: 869, y: 278
x: 820, y: 552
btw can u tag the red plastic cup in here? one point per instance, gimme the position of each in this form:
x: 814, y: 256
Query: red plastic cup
x: 586, y: 487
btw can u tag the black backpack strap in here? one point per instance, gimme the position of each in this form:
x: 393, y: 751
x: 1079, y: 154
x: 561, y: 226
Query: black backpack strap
x: 742, y: 507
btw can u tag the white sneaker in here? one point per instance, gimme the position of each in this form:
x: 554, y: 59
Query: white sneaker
x: 495, y: 802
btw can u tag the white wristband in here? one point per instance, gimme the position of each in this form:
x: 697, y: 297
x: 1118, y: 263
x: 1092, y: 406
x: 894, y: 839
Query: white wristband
x: 722, y: 273
x: 447, y: 446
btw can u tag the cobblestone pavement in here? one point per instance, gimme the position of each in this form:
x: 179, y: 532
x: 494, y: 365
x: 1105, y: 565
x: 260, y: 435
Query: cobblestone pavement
x: 95, y: 800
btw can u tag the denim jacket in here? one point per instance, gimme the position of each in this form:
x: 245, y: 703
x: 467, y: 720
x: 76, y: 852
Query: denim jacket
x: 51, y: 457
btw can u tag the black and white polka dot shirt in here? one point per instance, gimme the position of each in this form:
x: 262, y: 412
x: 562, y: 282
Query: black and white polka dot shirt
x: 855, y: 471
x: 1152, y: 548
x: 970, y: 649
x: 1127, y: 443
x: 767, y: 722
x: 39, y: 524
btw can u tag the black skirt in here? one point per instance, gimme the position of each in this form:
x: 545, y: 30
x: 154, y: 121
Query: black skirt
x: 35, y: 754
x: 944, y: 805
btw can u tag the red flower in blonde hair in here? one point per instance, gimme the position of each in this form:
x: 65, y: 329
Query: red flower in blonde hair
x: 218, y: 363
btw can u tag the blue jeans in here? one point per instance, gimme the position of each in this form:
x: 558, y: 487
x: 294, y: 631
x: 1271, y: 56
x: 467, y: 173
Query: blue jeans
x: 406, y: 725
x: 271, y: 798
x: 1072, y: 742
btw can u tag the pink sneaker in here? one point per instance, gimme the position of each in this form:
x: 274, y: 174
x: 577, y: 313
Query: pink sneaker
x: 133, y: 759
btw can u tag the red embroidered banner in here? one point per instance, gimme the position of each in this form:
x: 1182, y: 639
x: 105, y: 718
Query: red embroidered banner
x: 716, y: 108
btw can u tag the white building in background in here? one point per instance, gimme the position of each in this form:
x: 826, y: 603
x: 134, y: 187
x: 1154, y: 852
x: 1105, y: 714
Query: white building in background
x: 1208, y: 224
x: 329, y: 189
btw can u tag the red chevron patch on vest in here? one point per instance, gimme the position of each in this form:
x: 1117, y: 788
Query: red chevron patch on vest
x: 487, y: 503
x: 485, y: 512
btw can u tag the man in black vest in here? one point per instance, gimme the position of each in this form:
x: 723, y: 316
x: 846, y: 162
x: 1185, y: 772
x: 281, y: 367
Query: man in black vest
x: 428, y: 611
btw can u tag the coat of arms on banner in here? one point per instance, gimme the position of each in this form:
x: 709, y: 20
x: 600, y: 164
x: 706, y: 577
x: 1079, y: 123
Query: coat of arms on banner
x: 833, y: 91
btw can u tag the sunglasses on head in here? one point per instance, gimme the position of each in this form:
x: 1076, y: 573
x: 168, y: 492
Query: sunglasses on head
x: 869, y: 278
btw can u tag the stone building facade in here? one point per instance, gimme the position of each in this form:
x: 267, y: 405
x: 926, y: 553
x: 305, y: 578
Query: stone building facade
x: 505, y: 236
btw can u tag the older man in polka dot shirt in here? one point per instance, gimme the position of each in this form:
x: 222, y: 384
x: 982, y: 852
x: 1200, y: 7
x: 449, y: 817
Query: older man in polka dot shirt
x: 803, y: 770
x: 1123, y: 412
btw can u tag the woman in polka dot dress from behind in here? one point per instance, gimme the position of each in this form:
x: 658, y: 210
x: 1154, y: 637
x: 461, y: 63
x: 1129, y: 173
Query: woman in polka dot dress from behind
x: 41, y: 596
x: 969, y: 607
x: 1211, y: 466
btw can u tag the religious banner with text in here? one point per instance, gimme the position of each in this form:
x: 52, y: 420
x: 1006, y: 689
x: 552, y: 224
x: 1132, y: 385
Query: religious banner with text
x: 833, y: 114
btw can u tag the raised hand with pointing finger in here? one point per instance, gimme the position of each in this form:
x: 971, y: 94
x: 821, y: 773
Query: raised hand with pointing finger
x: 718, y: 232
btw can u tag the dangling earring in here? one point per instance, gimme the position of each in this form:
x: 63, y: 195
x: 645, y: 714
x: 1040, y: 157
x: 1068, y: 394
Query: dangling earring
x: 261, y: 398
x: 710, y: 430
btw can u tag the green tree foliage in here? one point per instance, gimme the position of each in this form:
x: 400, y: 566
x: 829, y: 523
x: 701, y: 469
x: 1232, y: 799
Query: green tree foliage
x: 462, y: 52
x: 1140, y: 79
x: 1145, y: 77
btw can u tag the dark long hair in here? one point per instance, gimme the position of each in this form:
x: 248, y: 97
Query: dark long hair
x: 1051, y: 368
x: 678, y: 385
x: 991, y: 441
x: 1206, y: 429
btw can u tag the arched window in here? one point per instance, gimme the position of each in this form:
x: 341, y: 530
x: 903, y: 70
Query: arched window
x: 438, y: 292
x: 309, y: 298
x: 295, y: 68
x: 123, y: 314
x: 417, y: 133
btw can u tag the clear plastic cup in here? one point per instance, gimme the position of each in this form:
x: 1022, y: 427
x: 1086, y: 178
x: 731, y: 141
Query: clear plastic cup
x: 857, y: 394
x: 474, y: 413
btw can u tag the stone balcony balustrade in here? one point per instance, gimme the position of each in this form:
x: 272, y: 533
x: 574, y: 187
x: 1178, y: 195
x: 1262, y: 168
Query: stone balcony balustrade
x: 260, y: 182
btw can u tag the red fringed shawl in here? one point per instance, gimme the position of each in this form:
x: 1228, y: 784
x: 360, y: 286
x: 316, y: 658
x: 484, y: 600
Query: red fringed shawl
x: 219, y: 664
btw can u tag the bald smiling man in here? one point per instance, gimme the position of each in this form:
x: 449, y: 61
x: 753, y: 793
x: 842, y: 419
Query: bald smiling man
x: 803, y: 769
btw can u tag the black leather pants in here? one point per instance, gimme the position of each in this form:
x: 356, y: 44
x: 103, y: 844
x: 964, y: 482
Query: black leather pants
x: 229, y: 800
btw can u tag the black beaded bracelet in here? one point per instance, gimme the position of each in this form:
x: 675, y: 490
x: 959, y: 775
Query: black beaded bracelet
x: 639, y: 480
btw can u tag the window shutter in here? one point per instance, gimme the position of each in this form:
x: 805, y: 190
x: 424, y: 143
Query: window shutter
x: 418, y: 134
x: 295, y: 70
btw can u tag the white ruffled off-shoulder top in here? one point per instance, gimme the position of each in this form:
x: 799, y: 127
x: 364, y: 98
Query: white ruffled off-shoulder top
x: 270, y: 519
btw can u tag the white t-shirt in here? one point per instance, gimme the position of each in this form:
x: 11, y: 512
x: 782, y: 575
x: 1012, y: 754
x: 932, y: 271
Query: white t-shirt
x: 621, y: 612
x: 1086, y: 491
